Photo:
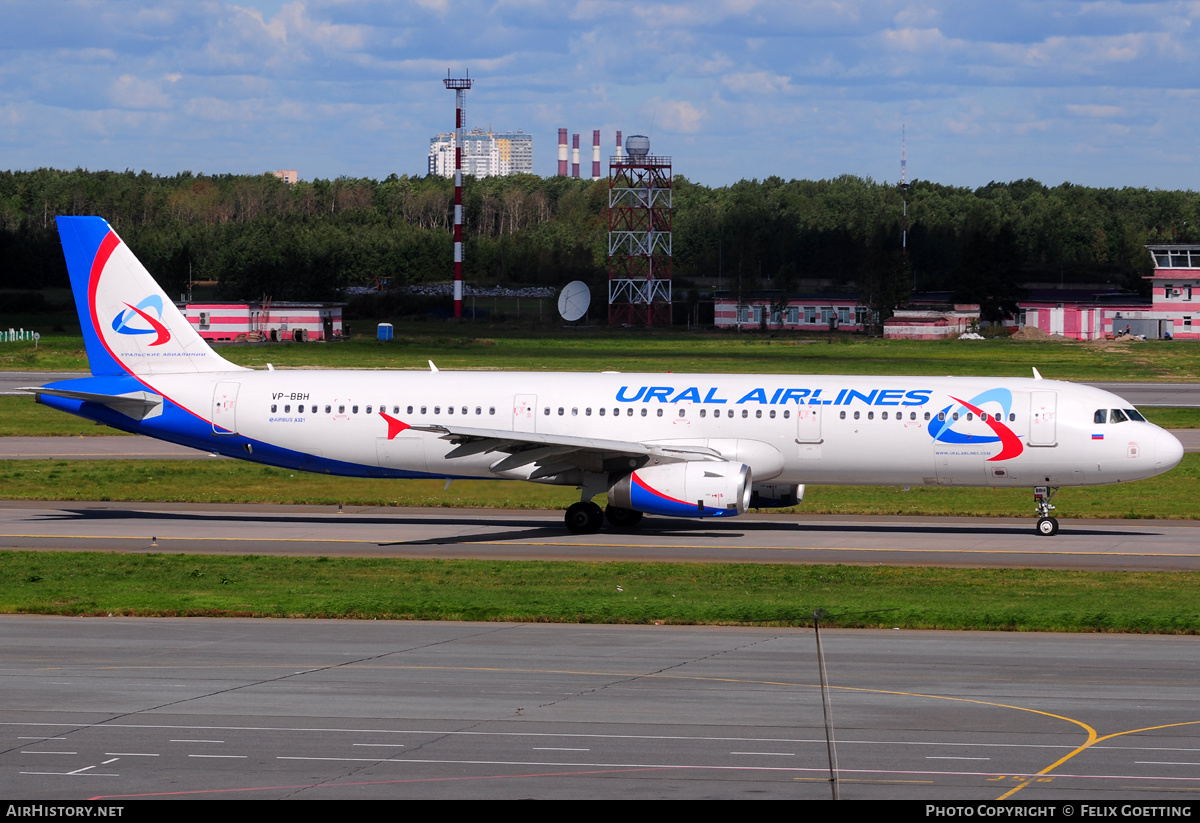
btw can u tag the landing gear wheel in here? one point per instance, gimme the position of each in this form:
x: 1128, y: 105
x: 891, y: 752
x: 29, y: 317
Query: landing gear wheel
x: 1047, y: 526
x: 584, y: 518
x: 622, y: 518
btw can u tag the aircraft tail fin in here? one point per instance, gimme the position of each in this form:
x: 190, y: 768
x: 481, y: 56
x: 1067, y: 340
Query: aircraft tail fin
x: 129, y: 324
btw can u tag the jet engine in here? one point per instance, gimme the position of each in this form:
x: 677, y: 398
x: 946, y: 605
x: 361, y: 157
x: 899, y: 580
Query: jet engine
x: 696, y: 489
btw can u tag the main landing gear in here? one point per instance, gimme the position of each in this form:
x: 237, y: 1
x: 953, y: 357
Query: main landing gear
x: 1047, y: 526
x: 587, y: 517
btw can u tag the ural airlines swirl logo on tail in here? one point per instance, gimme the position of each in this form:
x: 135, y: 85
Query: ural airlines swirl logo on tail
x: 121, y: 321
x: 943, y: 428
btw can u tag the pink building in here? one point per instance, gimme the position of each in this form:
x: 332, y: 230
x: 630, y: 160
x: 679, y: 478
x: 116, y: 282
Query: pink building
x: 1175, y: 296
x: 265, y: 321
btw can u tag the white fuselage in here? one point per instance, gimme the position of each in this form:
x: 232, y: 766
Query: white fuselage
x: 788, y: 429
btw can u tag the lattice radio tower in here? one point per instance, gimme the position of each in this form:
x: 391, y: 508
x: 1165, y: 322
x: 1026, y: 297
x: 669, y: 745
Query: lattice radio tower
x: 639, y: 236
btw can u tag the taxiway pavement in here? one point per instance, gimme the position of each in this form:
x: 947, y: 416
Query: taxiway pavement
x: 193, y: 708
x: 360, y: 531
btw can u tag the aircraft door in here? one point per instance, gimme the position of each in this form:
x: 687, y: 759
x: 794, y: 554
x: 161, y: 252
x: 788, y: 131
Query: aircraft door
x: 1043, y: 418
x: 808, y: 432
x: 224, y: 408
x: 525, y: 413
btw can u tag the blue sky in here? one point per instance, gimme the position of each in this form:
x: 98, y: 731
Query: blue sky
x: 1095, y: 93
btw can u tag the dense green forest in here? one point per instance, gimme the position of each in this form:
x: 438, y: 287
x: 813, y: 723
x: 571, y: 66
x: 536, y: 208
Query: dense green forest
x: 256, y: 235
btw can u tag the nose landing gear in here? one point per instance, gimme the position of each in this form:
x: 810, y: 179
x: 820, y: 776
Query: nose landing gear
x: 1047, y: 526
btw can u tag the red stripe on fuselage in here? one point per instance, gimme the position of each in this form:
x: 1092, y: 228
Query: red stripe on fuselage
x: 107, y: 246
x: 394, y: 426
x: 1008, y: 440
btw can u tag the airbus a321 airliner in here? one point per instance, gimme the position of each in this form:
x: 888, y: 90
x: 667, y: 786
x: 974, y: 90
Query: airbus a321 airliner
x: 680, y: 445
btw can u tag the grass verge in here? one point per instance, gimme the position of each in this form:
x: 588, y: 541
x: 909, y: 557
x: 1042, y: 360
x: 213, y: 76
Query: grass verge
x: 68, y: 583
x: 474, y: 346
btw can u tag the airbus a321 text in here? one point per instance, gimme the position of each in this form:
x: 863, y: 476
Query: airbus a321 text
x: 695, y: 445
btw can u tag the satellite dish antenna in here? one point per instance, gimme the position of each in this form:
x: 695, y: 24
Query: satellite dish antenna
x: 573, y: 300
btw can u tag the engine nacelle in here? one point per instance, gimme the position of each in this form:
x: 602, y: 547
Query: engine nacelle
x: 694, y: 489
x: 775, y: 495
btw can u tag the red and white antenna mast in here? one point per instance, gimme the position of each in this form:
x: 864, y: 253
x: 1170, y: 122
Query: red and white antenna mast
x: 460, y: 87
x: 904, y: 188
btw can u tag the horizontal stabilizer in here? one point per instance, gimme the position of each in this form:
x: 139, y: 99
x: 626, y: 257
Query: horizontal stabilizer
x: 138, y: 405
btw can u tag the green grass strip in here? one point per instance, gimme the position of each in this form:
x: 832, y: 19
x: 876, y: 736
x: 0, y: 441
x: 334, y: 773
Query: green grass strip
x: 90, y: 583
x: 549, y: 348
x: 1171, y: 496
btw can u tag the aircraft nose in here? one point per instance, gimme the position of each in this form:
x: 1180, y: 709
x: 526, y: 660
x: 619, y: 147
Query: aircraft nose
x: 1168, y: 451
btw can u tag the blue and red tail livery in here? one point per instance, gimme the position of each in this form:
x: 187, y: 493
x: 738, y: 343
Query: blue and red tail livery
x: 130, y: 326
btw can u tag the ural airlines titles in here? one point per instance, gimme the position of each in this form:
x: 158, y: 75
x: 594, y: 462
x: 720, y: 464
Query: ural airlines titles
x: 775, y: 397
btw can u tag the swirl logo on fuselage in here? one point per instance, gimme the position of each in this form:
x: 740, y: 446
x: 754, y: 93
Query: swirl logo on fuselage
x: 943, y: 430
x: 121, y: 321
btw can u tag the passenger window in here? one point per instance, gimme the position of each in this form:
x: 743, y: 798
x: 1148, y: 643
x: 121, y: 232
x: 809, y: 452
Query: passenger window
x: 561, y: 411
x: 437, y: 409
x: 954, y: 416
x: 883, y: 416
x: 491, y: 409
x: 787, y: 414
x: 745, y: 414
x: 368, y: 409
x: 354, y: 409
x: 856, y: 415
x: 772, y: 414
x: 328, y: 409
x: 941, y: 416
x: 341, y: 409
x: 423, y: 409
x: 273, y: 408
x: 547, y: 411
x: 870, y: 415
x: 702, y: 412
x: 842, y: 415
x: 926, y: 415
x: 1012, y: 417
x: 464, y: 409
x: 574, y: 412
x: 643, y: 412
x: 629, y: 413
x: 601, y: 411
x: 479, y: 411
x: 758, y: 412
x: 587, y: 412
x: 410, y: 408
x: 449, y: 410
x: 660, y: 412
x: 287, y: 409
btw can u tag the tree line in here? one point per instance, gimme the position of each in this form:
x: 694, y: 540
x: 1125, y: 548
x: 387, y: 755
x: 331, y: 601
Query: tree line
x: 257, y: 235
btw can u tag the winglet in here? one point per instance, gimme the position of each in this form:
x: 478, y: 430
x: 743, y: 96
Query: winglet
x: 432, y: 367
x: 1037, y: 375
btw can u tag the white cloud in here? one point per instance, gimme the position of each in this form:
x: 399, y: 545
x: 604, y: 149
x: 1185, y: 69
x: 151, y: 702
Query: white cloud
x: 128, y: 92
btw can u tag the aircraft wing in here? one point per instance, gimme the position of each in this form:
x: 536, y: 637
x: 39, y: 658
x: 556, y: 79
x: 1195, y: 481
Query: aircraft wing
x: 554, y: 453
x: 138, y: 405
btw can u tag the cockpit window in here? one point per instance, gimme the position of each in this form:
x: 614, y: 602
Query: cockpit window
x: 1118, y: 416
x: 1134, y: 414
x: 1101, y: 416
